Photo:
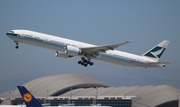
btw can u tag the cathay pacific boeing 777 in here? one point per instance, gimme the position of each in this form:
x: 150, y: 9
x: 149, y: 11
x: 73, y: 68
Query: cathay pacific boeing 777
x: 66, y: 48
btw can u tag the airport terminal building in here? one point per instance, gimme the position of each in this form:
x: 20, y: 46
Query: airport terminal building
x: 85, y: 90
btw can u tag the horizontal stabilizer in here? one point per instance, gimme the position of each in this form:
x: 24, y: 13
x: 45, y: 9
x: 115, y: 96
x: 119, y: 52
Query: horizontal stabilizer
x: 156, y: 63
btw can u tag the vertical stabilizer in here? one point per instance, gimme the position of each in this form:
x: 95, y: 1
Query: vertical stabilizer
x: 156, y: 52
x: 28, y: 98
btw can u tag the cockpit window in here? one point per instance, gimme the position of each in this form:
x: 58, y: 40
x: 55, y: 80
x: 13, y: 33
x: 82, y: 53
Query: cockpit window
x: 12, y: 31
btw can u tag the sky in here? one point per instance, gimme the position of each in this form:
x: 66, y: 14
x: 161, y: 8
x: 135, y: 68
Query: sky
x: 99, y: 22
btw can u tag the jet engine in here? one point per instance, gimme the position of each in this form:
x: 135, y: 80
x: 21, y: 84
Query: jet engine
x: 62, y: 55
x: 72, y: 50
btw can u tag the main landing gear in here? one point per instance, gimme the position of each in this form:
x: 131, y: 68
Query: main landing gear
x: 85, y: 62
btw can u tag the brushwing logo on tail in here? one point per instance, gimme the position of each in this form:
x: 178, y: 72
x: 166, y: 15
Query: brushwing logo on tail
x: 156, y: 52
x: 27, y: 97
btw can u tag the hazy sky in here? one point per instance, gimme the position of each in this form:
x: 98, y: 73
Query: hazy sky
x: 99, y: 22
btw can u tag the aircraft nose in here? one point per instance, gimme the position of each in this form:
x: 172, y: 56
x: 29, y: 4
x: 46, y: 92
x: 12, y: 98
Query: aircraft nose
x: 11, y: 33
x: 7, y: 33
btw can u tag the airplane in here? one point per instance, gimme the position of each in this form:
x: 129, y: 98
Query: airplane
x: 67, y: 48
x: 30, y: 100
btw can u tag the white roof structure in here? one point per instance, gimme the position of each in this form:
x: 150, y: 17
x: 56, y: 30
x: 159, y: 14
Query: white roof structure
x: 85, y: 85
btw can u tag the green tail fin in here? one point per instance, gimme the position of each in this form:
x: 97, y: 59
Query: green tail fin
x: 156, y: 52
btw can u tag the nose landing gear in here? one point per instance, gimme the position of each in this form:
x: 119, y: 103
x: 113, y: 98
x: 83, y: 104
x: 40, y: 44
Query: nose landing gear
x: 16, y: 45
x: 85, y: 62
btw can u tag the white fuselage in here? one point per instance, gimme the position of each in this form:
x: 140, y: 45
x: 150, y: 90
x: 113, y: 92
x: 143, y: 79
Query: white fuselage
x: 58, y: 44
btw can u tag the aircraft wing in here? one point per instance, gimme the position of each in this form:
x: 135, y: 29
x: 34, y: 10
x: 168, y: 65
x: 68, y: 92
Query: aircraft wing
x: 97, y: 49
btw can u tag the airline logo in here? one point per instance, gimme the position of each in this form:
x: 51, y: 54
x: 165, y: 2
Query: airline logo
x: 27, y: 97
x: 155, y: 52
